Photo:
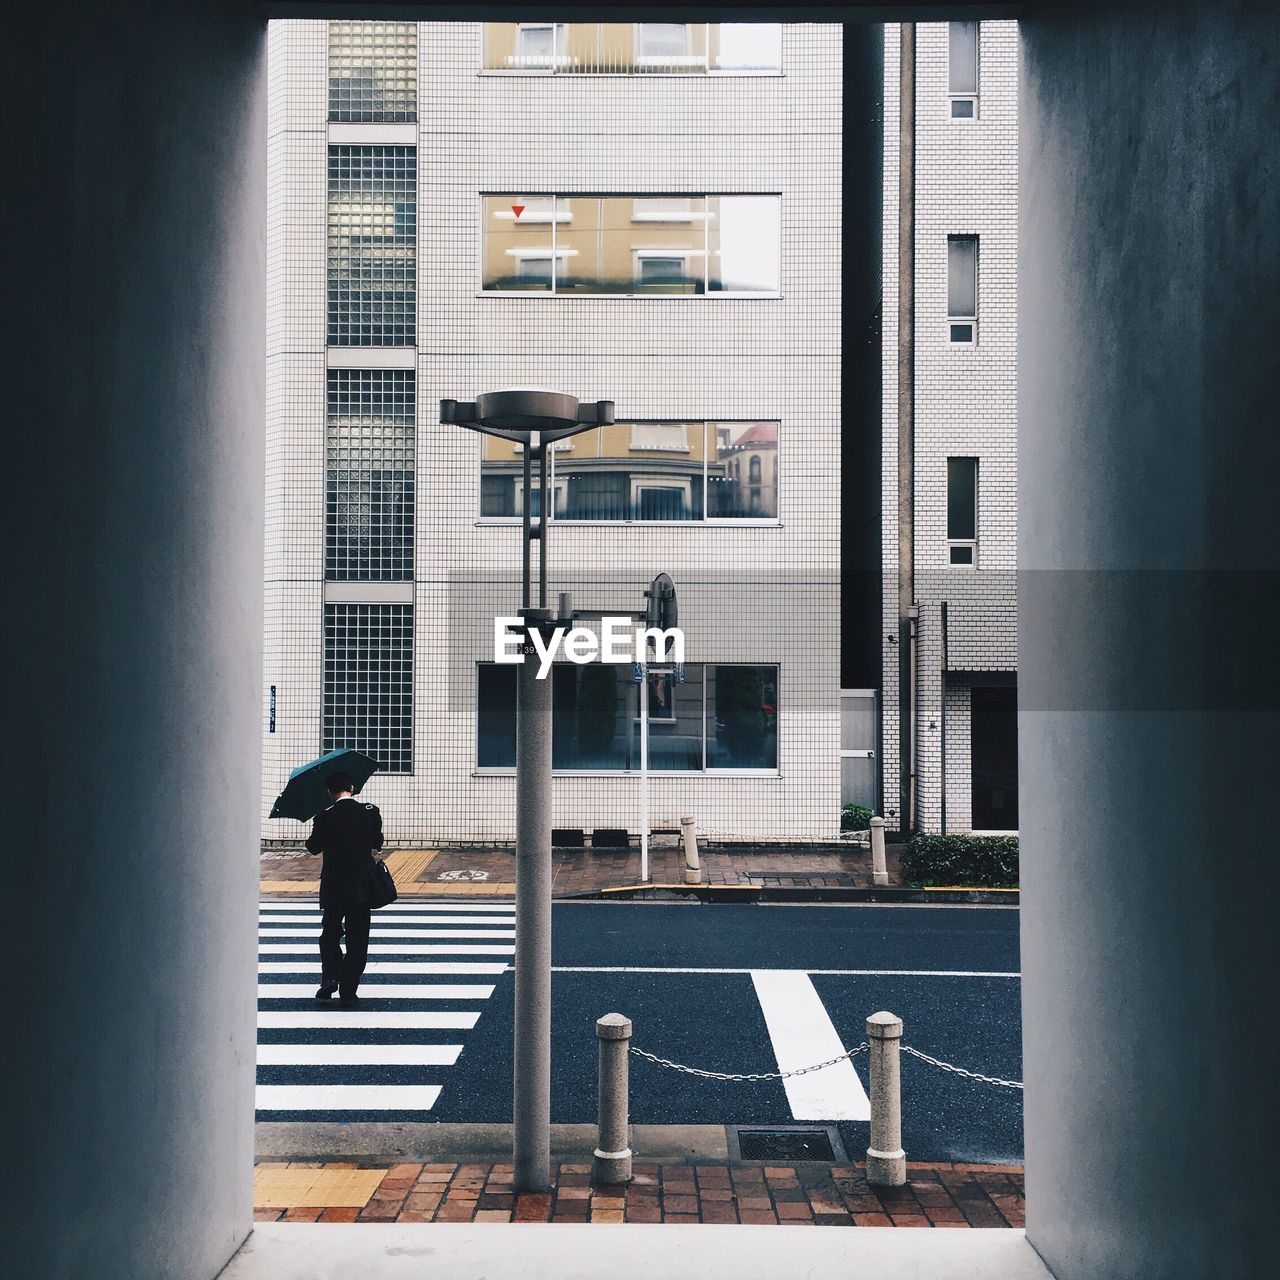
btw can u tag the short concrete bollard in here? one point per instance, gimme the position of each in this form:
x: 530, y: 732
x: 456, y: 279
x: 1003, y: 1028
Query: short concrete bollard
x: 692, y: 867
x: 611, y: 1164
x: 886, y: 1160
x: 879, y: 869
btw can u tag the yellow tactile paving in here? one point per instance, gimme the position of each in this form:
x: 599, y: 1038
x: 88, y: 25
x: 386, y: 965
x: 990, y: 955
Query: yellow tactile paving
x: 457, y: 890
x: 330, y: 1188
x: 406, y: 865
x: 289, y: 886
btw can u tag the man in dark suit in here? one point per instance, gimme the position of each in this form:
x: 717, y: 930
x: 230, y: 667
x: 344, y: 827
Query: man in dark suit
x: 347, y: 833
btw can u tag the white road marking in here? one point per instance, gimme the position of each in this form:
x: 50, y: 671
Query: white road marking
x: 389, y: 948
x: 355, y: 1018
x: 301, y: 931
x: 311, y: 918
x: 415, y: 967
x: 295, y: 904
x: 840, y: 973
x: 382, y: 991
x: 346, y: 1097
x: 358, y: 1055
x: 802, y: 1035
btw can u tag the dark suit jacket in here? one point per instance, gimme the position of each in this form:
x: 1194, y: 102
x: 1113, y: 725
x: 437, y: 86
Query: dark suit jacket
x: 346, y: 833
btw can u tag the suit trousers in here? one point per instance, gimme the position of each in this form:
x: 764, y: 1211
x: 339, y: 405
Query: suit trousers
x: 334, y: 966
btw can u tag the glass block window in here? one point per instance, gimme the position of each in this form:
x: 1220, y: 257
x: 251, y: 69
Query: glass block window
x: 373, y: 71
x: 372, y: 258
x: 369, y: 475
x: 368, y: 682
x: 632, y: 245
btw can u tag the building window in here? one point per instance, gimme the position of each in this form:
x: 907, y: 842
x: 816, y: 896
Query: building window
x: 962, y: 511
x: 373, y: 71
x: 962, y: 288
x: 536, y: 46
x: 369, y: 475
x: 372, y: 246
x: 643, y: 48
x: 665, y: 44
x: 962, y: 69
x: 632, y: 245
x: 702, y: 718
x: 368, y: 682
x: 645, y: 471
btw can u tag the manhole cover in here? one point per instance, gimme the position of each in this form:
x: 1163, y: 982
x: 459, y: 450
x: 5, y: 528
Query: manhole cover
x: 785, y: 1144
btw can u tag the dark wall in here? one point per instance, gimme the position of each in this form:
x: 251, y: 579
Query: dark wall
x: 1148, y: 313
x: 133, y: 509
x: 861, y: 201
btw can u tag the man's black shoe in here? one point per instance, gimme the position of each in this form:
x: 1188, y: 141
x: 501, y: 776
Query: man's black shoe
x: 327, y: 990
x: 349, y: 1002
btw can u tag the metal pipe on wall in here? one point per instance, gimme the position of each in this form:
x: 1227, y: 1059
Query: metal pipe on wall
x: 906, y: 423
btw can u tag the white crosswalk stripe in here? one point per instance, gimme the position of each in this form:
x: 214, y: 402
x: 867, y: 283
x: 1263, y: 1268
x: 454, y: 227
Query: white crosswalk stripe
x: 392, y: 1056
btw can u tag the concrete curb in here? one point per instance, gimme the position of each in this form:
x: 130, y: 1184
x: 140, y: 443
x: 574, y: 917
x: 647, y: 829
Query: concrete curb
x: 781, y: 893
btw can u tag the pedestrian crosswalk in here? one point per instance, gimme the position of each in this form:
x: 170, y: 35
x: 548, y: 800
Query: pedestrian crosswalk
x: 432, y: 966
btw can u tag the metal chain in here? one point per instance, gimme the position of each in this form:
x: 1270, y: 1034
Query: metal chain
x: 800, y: 1071
x: 749, y: 1075
x: 960, y: 1071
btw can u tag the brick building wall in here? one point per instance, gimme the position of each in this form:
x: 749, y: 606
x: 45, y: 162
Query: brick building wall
x: 965, y: 406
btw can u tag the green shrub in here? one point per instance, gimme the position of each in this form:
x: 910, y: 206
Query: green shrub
x: 855, y: 817
x: 980, y: 862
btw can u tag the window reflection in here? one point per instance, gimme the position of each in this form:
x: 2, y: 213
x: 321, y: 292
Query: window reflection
x: 715, y: 717
x: 632, y: 245
x: 642, y: 48
x: 742, y: 480
x: 634, y: 471
x: 644, y: 471
x: 742, y: 717
x: 743, y: 235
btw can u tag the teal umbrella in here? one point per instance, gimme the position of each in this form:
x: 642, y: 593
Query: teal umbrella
x: 304, y: 794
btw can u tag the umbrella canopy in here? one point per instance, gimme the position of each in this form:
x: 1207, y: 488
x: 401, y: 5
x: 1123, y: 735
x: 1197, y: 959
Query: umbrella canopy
x: 304, y: 794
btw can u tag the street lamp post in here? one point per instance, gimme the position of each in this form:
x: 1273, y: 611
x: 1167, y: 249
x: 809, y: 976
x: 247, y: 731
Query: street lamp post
x: 534, y: 419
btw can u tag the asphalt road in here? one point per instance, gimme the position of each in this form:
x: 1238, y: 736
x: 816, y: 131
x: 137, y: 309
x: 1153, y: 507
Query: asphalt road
x: 716, y: 1020
x: 733, y: 988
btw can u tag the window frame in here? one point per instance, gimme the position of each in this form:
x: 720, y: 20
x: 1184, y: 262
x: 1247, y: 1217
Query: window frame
x: 565, y: 64
x: 972, y: 96
x: 507, y: 771
x: 556, y: 60
x: 961, y: 543
x: 567, y: 446
x: 556, y: 218
x: 959, y: 319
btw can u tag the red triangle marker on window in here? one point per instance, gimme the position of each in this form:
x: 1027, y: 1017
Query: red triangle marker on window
x: 517, y: 209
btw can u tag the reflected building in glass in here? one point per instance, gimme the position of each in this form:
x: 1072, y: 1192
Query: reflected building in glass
x: 641, y: 212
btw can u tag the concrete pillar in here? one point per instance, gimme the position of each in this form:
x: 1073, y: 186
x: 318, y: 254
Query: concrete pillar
x: 886, y: 1160
x: 1149, y: 582
x: 131, y: 749
x: 612, y: 1160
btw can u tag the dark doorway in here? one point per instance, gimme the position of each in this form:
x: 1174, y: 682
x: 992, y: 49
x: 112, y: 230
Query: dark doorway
x: 994, y: 757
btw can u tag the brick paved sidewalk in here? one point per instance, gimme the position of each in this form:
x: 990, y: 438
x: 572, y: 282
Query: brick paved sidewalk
x: 936, y: 1195
x: 491, y: 872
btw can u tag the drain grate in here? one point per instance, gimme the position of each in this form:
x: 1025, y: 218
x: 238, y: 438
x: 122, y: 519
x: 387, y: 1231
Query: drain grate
x: 785, y: 1144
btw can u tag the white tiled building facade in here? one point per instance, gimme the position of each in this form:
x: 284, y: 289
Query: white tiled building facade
x: 965, y: 411
x: 377, y: 627
x: 395, y: 150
